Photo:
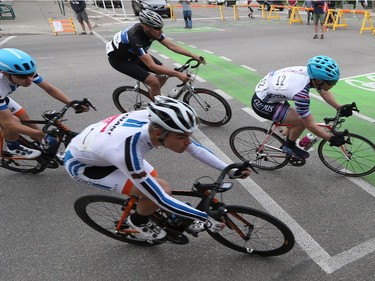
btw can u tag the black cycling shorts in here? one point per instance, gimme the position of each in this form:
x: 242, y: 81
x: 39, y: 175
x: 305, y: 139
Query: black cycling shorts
x: 271, y: 111
x: 135, y: 69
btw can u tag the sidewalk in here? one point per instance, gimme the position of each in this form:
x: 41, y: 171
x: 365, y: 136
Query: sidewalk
x: 32, y: 17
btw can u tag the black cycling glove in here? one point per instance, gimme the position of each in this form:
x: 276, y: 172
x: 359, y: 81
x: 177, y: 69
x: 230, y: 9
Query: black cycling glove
x: 337, y: 141
x: 345, y: 110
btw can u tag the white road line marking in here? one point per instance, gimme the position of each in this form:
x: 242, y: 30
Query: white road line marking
x: 248, y: 110
x: 225, y: 58
x: 164, y: 56
x: 307, y: 243
x: 370, y: 189
x: 207, y: 51
x: 223, y: 94
x: 248, y: 67
x: 6, y: 40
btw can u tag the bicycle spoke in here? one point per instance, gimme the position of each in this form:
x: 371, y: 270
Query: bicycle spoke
x: 355, y: 159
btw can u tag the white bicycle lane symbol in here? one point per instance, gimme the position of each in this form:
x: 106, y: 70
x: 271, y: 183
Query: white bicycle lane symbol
x: 368, y: 85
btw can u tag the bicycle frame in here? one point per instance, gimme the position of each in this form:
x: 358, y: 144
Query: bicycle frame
x: 48, y: 157
x: 272, y: 130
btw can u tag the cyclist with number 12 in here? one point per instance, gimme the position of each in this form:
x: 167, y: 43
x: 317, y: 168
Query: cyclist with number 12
x: 128, y: 52
x: 273, y: 92
x: 110, y: 155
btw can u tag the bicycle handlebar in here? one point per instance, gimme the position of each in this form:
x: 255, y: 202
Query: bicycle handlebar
x: 218, y: 186
x: 338, y: 120
x: 52, y: 116
x: 187, y: 65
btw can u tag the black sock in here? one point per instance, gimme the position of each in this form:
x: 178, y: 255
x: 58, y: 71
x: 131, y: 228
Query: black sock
x: 138, y: 219
x: 290, y: 143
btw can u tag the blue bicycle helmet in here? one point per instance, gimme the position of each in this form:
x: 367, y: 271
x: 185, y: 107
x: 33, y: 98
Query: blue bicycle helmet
x: 323, y: 68
x: 14, y: 61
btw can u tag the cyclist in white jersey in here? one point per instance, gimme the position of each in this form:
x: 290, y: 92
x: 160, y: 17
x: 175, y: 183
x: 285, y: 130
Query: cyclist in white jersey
x: 18, y: 68
x: 273, y: 92
x: 111, y: 155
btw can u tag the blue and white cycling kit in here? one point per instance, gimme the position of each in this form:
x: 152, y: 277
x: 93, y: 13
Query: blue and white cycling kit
x: 111, y: 155
x: 6, y: 88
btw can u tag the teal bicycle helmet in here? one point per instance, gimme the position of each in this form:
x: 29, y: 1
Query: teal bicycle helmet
x: 323, y: 68
x: 17, y: 62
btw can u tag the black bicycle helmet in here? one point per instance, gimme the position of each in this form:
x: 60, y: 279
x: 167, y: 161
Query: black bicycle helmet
x: 151, y: 18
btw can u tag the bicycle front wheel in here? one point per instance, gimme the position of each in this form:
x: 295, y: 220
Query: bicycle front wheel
x: 252, y: 231
x: 102, y: 213
x: 256, y: 145
x: 129, y: 98
x: 352, y: 160
x: 26, y: 166
x: 212, y: 109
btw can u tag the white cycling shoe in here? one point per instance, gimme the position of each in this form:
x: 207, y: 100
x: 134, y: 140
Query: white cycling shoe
x: 24, y: 152
x: 148, y: 231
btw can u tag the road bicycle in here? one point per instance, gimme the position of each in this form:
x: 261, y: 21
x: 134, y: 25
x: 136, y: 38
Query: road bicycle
x: 247, y: 230
x: 51, y: 157
x: 212, y: 109
x: 355, y: 158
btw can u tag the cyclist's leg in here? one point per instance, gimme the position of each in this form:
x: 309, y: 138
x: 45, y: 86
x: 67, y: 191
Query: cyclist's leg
x: 112, y: 179
x: 282, y: 113
x: 154, y: 82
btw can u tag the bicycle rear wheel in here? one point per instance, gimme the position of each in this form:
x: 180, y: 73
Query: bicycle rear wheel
x: 352, y: 160
x: 212, y: 109
x: 249, y: 143
x: 102, y: 213
x: 128, y: 98
x: 251, y: 231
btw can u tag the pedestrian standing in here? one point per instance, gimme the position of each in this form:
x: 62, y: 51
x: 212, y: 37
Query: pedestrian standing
x: 319, y: 17
x: 308, y: 4
x: 186, y: 12
x: 250, y: 9
x: 79, y: 7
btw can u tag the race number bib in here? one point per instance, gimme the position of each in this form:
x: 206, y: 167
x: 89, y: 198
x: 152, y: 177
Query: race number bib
x: 279, y: 82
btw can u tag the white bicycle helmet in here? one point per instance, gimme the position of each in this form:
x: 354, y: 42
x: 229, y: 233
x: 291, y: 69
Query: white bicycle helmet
x: 173, y: 115
x: 151, y: 18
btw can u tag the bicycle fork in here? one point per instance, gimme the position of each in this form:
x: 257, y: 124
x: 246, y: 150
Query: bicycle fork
x: 126, y: 212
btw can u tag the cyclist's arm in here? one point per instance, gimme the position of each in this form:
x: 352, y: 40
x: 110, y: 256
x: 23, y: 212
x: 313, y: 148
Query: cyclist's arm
x: 311, y: 125
x: 205, y: 156
x: 161, y: 69
x: 54, y: 92
x: 178, y: 49
x: 329, y: 98
x: 11, y: 126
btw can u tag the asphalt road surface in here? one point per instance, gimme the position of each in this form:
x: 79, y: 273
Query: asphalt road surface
x: 331, y: 216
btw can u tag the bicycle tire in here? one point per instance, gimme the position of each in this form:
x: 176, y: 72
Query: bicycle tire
x: 126, y: 99
x: 25, y: 166
x: 262, y: 233
x: 102, y: 213
x: 361, y: 153
x: 245, y: 143
x: 216, y: 111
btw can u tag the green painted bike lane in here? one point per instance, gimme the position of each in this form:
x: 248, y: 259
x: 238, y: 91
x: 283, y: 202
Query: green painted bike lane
x: 239, y: 82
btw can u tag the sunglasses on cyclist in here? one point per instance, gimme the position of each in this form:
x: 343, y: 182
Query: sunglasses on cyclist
x: 24, y: 76
x: 330, y: 83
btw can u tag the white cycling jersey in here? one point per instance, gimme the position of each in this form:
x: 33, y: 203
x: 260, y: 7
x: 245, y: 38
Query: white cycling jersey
x: 290, y: 83
x: 123, y: 141
x: 6, y: 88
